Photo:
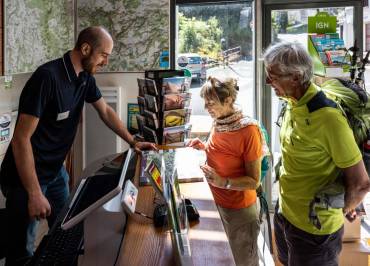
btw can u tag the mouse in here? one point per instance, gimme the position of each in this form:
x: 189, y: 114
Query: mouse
x: 191, y: 211
x: 160, y: 215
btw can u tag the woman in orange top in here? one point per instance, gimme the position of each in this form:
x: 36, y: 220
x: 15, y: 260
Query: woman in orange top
x: 234, y: 152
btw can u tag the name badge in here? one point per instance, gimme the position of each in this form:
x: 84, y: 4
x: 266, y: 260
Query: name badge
x: 62, y: 116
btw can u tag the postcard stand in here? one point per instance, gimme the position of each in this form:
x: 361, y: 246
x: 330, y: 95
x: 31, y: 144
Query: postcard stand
x: 163, y: 101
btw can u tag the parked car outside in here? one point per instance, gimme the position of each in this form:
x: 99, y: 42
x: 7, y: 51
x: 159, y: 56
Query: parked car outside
x: 195, y: 65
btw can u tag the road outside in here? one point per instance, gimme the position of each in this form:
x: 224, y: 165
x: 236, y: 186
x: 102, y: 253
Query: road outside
x: 243, y: 72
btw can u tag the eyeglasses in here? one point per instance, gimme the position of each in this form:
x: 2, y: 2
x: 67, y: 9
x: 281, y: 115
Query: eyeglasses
x: 271, y: 78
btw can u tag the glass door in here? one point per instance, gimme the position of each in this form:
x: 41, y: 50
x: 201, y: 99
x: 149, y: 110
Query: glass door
x: 288, y: 22
x: 216, y: 39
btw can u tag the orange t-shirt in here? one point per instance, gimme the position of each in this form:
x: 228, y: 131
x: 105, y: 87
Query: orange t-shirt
x: 227, y: 153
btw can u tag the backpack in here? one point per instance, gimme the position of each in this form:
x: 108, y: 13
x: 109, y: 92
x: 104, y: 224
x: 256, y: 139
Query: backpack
x: 264, y: 208
x: 354, y: 103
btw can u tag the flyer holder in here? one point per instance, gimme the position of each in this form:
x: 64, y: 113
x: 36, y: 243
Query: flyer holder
x: 165, y: 183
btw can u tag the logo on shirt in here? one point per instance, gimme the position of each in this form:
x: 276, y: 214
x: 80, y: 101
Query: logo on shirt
x: 62, y: 116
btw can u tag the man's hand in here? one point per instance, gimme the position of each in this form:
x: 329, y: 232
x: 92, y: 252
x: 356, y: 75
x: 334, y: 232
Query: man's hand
x: 141, y: 146
x: 38, y: 206
x: 196, y: 144
x: 350, y: 215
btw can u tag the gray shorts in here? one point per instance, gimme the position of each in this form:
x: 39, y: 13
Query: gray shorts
x: 297, y: 247
x: 242, y: 229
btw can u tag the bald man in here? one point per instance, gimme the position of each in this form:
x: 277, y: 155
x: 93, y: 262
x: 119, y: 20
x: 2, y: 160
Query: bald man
x: 32, y: 176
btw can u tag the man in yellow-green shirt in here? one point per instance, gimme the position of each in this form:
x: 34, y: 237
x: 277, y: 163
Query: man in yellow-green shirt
x: 316, y: 144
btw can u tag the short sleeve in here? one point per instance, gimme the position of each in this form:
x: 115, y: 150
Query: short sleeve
x: 340, y: 142
x: 93, y: 93
x: 36, y: 93
x: 252, y: 148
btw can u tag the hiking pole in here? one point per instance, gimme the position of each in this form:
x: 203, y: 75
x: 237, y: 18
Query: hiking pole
x: 354, y: 49
x: 360, y: 80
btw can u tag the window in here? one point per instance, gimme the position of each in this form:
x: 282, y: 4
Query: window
x: 219, y: 38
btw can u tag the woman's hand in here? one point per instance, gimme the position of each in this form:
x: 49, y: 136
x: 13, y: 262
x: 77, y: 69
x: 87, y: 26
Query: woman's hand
x: 212, y: 177
x: 196, y: 144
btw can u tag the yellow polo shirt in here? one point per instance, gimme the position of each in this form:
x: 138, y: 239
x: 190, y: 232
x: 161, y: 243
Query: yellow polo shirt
x: 314, y: 146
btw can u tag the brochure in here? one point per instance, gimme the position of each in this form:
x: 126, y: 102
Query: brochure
x: 150, y: 135
x: 142, y: 86
x: 174, y: 85
x: 141, y: 103
x: 151, y: 103
x: 140, y: 124
x: 151, y: 87
x: 155, y: 177
x: 175, y: 136
x: 176, y: 117
x: 132, y: 112
x: 176, y: 101
x: 151, y: 119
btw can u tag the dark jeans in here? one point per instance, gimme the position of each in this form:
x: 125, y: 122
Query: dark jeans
x: 298, y: 248
x: 21, y: 230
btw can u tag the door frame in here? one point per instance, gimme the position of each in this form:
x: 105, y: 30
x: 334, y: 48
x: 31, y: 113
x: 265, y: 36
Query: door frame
x: 265, y: 94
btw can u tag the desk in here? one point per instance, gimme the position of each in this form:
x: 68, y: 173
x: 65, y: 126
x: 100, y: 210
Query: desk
x: 143, y: 244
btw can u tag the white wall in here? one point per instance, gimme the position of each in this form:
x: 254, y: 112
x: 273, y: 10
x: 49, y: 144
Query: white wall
x: 128, y: 83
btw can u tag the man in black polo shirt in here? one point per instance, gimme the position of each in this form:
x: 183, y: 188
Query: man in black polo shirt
x: 33, y: 178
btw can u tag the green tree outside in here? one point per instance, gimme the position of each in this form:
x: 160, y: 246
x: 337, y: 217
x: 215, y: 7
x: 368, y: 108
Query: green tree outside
x: 199, y: 36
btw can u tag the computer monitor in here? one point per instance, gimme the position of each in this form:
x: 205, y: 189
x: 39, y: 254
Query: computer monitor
x: 96, y: 190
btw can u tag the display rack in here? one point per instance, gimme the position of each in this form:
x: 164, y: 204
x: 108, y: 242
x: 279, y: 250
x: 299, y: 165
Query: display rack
x: 329, y: 55
x: 164, y: 100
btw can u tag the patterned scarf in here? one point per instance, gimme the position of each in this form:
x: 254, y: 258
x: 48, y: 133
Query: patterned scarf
x: 237, y: 121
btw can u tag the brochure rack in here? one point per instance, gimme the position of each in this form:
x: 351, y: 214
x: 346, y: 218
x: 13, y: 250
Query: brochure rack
x: 164, y: 180
x: 329, y: 55
x: 164, y: 101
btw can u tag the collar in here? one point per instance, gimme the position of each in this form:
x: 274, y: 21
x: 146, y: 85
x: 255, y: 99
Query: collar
x: 68, y: 66
x: 309, y: 94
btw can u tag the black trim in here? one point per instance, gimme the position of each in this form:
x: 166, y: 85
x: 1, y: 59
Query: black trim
x: 320, y: 101
x: 71, y: 73
x: 195, y: 2
x: 173, y: 25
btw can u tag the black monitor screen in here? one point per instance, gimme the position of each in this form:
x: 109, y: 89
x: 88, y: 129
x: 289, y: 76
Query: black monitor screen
x: 96, y: 190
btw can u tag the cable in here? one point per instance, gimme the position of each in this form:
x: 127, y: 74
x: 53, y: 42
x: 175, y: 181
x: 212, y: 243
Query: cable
x: 144, y: 215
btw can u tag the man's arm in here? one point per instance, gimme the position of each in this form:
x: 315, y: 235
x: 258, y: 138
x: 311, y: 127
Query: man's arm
x: 111, y: 119
x: 357, y: 185
x: 38, y: 205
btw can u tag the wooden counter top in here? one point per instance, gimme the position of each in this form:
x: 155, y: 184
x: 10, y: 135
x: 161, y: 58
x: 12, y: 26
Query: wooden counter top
x: 144, y: 244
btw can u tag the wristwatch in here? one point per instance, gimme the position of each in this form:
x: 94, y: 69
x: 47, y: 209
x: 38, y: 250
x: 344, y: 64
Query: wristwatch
x: 227, y: 184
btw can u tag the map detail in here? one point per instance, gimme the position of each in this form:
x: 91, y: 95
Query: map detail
x: 140, y: 30
x: 36, y: 31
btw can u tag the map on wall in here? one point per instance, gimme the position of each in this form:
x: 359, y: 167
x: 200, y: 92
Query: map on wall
x: 140, y: 30
x: 36, y: 31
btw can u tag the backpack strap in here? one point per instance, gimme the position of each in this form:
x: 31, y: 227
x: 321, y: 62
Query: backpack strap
x: 320, y: 101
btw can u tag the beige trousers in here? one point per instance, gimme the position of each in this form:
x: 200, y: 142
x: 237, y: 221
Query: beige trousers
x: 242, y: 229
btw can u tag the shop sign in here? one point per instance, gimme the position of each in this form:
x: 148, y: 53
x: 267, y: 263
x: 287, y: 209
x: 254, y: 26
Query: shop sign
x: 322, y: 23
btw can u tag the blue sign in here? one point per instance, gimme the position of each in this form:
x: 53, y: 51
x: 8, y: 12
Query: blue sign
x: 164, y: 59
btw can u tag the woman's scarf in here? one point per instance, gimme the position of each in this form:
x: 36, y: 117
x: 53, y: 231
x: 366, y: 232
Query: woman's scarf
x: 237, y: 121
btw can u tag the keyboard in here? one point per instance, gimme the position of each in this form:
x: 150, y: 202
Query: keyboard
x: 59, y: 247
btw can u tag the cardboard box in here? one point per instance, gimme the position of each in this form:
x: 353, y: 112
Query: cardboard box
x: 354, y: 254
x: 352, y: 231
